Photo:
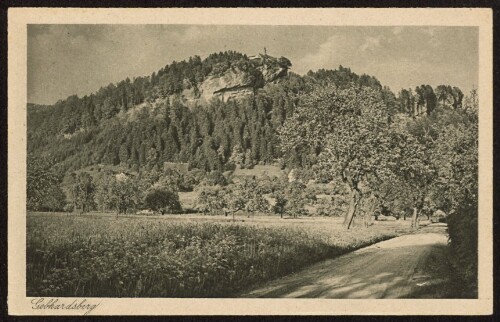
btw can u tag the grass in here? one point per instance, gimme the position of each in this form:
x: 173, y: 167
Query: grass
x: 101, y: 256
x: 259, y: 171
x: 188, y: 199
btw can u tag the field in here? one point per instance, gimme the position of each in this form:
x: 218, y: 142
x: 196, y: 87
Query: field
x: 259, y: 171
x: 99, y: 255
x: 188, y: 199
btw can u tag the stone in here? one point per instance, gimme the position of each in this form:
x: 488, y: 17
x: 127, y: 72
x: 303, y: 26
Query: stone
x: 235, y: 83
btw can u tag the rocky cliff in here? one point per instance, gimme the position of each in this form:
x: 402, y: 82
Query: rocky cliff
x: 238, y: 82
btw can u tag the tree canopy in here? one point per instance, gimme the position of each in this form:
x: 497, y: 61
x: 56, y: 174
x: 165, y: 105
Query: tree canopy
x: 346, y: 129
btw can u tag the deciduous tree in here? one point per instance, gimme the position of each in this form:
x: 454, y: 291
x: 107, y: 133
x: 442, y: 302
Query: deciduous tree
x: 42, y: 184
x: 83, y: 190
x: 347, y: 128
x: 163, y: 200
x: 211, y: 199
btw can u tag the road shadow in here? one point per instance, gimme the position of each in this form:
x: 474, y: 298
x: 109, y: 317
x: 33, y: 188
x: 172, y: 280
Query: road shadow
x: 416, y: 266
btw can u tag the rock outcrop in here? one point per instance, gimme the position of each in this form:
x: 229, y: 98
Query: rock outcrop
x: 236, y: 83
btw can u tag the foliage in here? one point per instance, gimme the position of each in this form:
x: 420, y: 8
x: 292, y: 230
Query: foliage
x: 394, y: 197
x: 291, y: 197
x: 449, y: 96
x: 412, y: 165
x: 434, y: 164
x: 296, y: 196
x: 163, y: 200
x: 268, y: 184
x: 456, y: 154
x: 347, y: 128
x: 82, y: 191
x: 280, y: 205
x: 43, y: 189
x: 118, y: 192
x: 331, y: 206
x: 176, y: 181
x: 103, y: 195
x: 343, y: 77
x: 82, y: 257
x: 211, y: 200
x: 215, y: 178
x: 246, y: 195
x: 55, y: 200
x: 456, y: 157
x: 463, y: 234
x: 424, y: 99
x: 85, y: 131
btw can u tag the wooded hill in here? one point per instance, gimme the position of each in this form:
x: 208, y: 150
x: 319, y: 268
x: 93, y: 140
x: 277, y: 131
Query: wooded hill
x: 142, y: 123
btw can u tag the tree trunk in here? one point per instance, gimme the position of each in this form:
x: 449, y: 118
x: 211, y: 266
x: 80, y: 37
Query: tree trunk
x: 353, y: 204
x: 414, y: 218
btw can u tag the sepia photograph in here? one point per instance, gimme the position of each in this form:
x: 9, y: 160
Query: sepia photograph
x: 250, y: 161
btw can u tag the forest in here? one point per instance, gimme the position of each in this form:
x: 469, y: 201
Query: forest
x: 344, y: 135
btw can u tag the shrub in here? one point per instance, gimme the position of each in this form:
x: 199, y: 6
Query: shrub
x: 215, y: 178
x: 163, y: 200
x: 462, y: 230
x: 229, y: 166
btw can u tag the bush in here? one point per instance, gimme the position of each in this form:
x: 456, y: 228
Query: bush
x: 229, y: 166
x: 332, y: 207
x: 163, y: 200
x: 462, y: 230
x: 216, y: 178
x: 267, y: 184
x: 196, y: 176
x: 178, y: 181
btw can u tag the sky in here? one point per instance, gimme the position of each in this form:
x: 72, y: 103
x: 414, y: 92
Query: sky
x: 79, y: 59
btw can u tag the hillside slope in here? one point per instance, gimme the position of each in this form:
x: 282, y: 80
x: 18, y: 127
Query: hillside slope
x: 210, y: 113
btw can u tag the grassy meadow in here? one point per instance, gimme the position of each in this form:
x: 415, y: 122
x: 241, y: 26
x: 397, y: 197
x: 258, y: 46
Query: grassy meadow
x: 99, y: 255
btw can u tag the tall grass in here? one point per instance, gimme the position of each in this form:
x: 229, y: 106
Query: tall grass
x: 106, y: 257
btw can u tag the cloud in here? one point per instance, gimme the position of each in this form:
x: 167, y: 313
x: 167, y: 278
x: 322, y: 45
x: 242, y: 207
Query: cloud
x: 68, y: 59
x: 185, y: 34
x: 347, y: 49
x: 328, y: 53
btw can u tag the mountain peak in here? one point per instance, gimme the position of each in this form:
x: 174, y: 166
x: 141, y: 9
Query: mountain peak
x: 235, y: 80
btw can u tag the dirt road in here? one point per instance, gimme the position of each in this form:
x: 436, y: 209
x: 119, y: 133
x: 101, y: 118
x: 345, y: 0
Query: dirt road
x: 410, y: 266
